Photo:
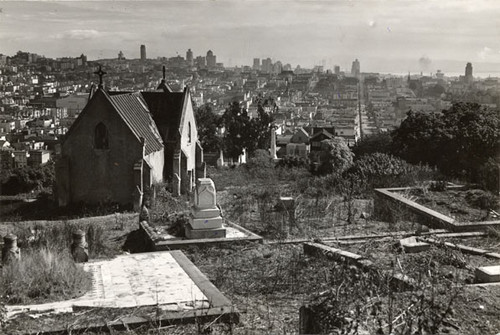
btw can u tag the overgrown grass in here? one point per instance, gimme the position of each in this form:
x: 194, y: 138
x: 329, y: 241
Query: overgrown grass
x: 42, y: 275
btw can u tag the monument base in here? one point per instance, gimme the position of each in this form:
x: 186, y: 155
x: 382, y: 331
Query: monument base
x: 205, y: 223
x: 192, y: 233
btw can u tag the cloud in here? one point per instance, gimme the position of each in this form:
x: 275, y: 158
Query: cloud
x: 484, y: 53
x: 424, y: 62
x: 78, y: 34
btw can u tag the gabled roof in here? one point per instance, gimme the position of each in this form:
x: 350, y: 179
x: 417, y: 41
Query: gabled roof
x: 166, y: 109
x: 322, y: 132
x: 135, y: 113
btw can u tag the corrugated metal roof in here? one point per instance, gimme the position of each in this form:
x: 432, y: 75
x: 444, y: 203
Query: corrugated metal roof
x: 134, y: 111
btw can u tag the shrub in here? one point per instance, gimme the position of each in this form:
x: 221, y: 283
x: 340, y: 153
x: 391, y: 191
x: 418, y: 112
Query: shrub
x: 482, y: 199
x: 293, y: 162
x: 335, y: 156
x: 43, y: 275
x: 28, y: 179
x: 488, y: 175
x: 382, y: 170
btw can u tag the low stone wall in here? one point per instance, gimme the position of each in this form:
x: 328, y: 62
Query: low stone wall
x: 390, y: 206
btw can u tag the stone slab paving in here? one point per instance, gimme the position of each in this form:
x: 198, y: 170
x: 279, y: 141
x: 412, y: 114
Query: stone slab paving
x: 135, y: 280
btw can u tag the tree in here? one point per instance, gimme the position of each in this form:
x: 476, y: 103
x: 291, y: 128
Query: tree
x: 419, y: 138
x: 335, y: 156
x: 208, y: 123
x: 243, y: 132
x: 370, y: 144
x: 458, y: 141
x: 237, y: 132
x: 261, y: 129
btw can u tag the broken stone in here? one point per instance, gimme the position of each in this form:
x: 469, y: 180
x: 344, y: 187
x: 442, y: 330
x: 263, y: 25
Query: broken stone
x: 79, y: 247
x: 411, y: 245
x: 10, y: 250
x: 488, y: 274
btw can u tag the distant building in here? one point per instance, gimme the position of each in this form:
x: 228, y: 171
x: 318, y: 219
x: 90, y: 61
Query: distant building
x: 256, y: 64
x: 189, y: 57
x: 336, y: 69
x: 211, y: 59
x: 120, y: 56
x: 267, y: 65
x: 143, y: 52
x: 468, y: 73
x: 355, y: 69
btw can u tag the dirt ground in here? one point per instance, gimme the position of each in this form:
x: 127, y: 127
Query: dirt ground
x: 268, y: 283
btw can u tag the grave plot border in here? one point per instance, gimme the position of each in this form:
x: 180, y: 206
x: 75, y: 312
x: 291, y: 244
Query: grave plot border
x: 388, y: 203
x: 398, y: 281
x: 220, y: 310
x: 155, y: 243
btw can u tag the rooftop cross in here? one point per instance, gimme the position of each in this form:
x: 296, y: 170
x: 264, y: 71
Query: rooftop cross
x: 100, y: 73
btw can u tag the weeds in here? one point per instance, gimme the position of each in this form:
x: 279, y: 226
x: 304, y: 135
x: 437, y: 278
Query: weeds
x: 43, y: 275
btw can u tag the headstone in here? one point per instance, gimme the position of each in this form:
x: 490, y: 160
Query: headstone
x: 273, y: 144
x: 138, y: 194
x: 488, y: 274
x: 10, y: 250
x: 205, y: 220
x: 242, y: 159
x: 176, y: 185
x: 220, y: 160
x: 79, y: 247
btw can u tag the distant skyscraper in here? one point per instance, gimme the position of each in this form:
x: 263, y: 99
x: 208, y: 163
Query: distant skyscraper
x: 256, y: 64
x: 189, y: 57
x: 336, y: 69
x: 211, y: 59
x: 143, y: 52
x: 267, y: 65
x: 355, y: 69
x: 468, y: 73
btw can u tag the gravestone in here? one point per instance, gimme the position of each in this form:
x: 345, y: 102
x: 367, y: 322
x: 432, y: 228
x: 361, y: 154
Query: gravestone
x: 205, y: 220
x: 79, y: 247
x: 10, y: 250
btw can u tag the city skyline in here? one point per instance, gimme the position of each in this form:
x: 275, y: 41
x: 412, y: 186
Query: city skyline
x: 385, y: 36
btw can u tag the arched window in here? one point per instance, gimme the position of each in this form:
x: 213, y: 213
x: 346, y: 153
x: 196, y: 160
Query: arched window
x: 101, y: 137
x: 189, y: 132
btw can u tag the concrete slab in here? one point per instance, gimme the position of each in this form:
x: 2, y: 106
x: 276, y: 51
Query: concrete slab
x: 165, y: 279
x: 161, y: 240
x: 488, y: 274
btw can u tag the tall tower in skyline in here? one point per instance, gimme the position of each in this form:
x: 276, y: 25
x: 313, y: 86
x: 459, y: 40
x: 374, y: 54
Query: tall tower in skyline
x: 143, y: 52
x: 211, y: 59
x: 355, y: 69
x: 256, y: 64
x: 468, y: 73
x: 189, y: 57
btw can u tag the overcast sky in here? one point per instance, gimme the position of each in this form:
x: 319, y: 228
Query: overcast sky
x: 385, y: 35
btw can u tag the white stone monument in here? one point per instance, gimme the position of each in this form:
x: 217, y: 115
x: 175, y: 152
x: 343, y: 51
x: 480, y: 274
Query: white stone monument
x: 273, y: 144
x: 205, y: 220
